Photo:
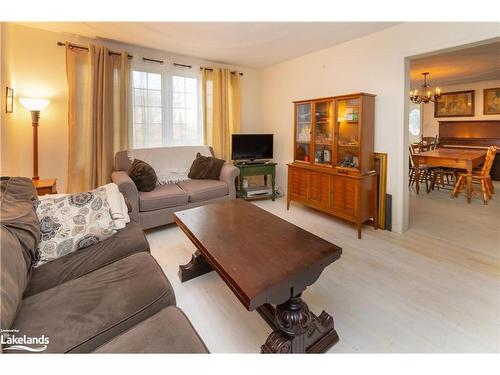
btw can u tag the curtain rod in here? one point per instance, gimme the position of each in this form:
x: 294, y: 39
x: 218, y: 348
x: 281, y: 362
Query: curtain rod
x: 86, y: 49
x: 153, y: 60
x: 211, y: 70
x: 71, y: 45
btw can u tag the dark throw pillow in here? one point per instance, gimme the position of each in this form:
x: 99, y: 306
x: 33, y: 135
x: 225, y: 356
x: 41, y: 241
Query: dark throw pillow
x: 143, y: 175
x: 205, y: 168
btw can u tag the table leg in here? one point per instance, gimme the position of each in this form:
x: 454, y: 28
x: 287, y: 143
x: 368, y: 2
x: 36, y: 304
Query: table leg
x: 197, y: 266
x: 359, y: 226
x: 273, y: 184
x: 297, y: 330
x: 468, y: 179
x: 240, y: 182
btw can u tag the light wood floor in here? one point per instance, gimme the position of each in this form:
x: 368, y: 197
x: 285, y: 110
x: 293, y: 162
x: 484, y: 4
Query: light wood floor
x: 435, y: 288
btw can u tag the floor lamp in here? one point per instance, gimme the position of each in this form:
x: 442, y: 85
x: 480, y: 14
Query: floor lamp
x: 34, y: 105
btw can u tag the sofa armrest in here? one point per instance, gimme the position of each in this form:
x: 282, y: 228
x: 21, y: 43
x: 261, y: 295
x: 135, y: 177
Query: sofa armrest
x: 128, y: 188
x: 228, y: 174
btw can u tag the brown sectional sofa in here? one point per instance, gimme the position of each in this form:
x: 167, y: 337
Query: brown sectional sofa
x: 155, y: 208
x: 109, y: 297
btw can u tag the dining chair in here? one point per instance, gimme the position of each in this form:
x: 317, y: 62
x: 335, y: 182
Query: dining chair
x: 424, y: 172
x: 443, y: 177
x: 415, y: 148
x: 429, y: 143
x: 482, y: 177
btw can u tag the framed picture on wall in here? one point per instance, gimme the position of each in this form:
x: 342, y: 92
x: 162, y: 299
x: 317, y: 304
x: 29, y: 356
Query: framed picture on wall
x: 455, y: 104
x: 491, y: 101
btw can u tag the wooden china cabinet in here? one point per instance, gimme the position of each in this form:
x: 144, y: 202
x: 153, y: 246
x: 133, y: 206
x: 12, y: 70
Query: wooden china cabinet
x: 333, y: 167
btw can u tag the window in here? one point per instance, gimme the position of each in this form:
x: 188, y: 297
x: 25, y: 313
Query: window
x: 166, y: 109
x: 186, y: 121
x: 147, y: 103
x: 414, y: 120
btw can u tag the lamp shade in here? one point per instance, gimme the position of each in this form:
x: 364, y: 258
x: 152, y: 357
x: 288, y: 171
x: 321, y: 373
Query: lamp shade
x: 34, y: 104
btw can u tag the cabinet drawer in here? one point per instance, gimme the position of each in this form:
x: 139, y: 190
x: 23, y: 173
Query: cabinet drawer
x: 344, y: 195
x: 298, y: 180
x: 319, y: 193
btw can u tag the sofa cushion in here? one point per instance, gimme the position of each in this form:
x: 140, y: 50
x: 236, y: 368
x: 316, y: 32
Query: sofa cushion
x: 127, y: 241
x: 82, y: 314
x: 163, y: 196
x: 13, y: 277
x: 202, y: 190
x: 17, y: 213
x: 19, y: 237
x: 143, y: 175
x: 205, y: 168
x: 168, y: 331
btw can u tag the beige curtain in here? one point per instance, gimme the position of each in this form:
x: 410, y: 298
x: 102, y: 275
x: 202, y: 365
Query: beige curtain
x: 98, y: 114
x: 221, y: 109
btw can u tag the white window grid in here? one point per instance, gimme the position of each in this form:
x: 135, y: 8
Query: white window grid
x: 168, y: 123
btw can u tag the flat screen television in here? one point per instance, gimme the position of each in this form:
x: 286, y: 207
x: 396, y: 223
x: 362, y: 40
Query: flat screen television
x: 252, y: 146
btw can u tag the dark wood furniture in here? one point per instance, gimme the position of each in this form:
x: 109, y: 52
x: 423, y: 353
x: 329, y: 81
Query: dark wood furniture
x: 451, y: 158
x: 424, y: 172
x: 426, y: 144
x: 264, y: 169
x: 479, y: 134
x: 333, y: 168
x: 482, y: 177
x: 429, y: 143
x: 443, y: 177
x: 48, y: 186
x: 265, y: 261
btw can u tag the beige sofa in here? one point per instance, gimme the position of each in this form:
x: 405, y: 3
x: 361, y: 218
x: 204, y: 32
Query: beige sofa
x: 155, y: 208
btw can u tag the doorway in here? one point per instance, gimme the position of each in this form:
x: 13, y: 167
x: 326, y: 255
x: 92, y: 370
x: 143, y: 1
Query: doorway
x: 462, y: 79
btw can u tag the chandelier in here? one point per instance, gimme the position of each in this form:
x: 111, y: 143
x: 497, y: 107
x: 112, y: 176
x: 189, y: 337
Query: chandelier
x: 425, y: 96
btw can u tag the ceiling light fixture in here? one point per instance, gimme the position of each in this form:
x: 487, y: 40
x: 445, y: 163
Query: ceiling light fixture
x: 425, y: 96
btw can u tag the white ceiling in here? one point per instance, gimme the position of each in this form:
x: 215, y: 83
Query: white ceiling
x: 479, y: 63
x: 250, y: 44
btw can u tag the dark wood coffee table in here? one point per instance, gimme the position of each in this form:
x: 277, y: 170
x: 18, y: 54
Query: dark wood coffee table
x: 265, y: 261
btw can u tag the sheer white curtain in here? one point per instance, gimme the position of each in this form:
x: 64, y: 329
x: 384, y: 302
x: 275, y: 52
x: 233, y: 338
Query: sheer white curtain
x: 98, y: 113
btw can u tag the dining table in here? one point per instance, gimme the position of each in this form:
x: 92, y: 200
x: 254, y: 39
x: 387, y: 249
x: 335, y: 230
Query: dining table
x: 457, y: 158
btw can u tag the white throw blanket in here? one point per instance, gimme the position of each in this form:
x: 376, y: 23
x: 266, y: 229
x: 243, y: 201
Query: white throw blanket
x: 117, y: 206
x: 171, y: 164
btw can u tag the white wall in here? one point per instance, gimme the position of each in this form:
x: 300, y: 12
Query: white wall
x: 375, y: 64
x: 33, y: 64
x: 431, y: 124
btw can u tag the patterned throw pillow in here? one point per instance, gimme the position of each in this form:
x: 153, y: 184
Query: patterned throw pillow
x: 72, y: 222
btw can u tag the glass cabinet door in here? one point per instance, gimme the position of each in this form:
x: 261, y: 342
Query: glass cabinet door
x: 323, y: 133
x: 303, y: 129
x: 348, y: 126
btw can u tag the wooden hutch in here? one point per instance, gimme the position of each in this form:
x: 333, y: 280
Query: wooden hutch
x: 333, y: 167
